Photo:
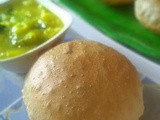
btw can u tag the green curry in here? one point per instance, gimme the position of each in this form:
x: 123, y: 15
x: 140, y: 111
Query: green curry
x: 24, y: 26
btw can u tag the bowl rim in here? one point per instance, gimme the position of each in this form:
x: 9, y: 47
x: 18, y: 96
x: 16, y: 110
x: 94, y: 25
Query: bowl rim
x: 63, y: 15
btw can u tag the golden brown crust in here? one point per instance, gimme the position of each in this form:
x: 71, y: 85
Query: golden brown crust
x: 83, y: 80
x: 118, y: 2
x: 148, y: 13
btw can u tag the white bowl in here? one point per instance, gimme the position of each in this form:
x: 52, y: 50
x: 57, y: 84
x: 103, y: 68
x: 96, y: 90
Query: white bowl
x: 22, y: 63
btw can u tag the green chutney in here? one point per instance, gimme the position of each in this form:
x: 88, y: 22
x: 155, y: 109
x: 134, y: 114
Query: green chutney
x: 24, y: 26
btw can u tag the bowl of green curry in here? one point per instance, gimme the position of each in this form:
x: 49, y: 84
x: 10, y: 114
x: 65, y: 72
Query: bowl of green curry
x: 28, y: 28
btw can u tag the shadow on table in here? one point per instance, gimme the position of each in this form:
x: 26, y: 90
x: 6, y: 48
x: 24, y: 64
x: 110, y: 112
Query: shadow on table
x: 151, y: 102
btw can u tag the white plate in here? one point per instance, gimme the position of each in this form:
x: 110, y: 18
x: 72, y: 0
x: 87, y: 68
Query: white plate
x: 15, y: 109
